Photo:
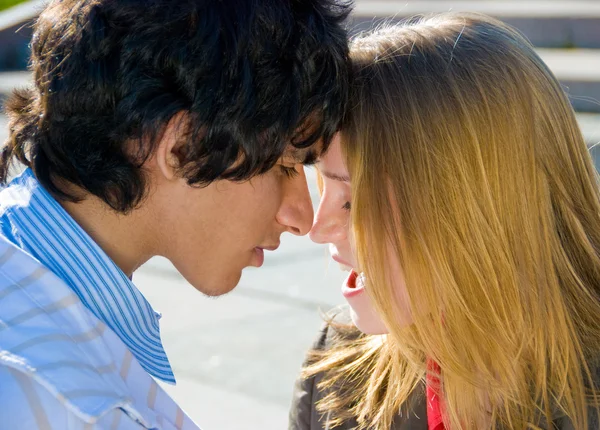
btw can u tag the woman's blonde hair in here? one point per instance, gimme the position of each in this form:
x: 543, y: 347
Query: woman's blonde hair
x: 466, y: 158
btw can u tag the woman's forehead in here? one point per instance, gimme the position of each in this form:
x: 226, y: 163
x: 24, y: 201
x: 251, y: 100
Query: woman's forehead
x: 331, y: 164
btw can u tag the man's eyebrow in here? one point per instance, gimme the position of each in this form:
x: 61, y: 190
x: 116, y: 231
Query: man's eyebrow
x: 307, y: 158
x: 334, y: 176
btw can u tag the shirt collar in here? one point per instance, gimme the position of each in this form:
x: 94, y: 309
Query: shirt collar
x: 33, y: 220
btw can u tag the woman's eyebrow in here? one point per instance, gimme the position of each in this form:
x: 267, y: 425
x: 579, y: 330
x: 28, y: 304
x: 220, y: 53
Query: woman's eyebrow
x: 335, y: 176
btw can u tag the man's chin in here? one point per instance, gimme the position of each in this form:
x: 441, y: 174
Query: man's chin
x: 218, y: 287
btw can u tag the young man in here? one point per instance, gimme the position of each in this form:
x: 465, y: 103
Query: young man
x: 155, y: 127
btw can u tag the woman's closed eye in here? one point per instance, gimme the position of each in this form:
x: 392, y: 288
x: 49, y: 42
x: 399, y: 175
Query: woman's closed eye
x: 347, y: 206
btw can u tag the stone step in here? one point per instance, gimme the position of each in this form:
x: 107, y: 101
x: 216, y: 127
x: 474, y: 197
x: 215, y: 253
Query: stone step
x: 578, y: 70
x: 506, y: 8
x: 589, y: 122
x: 590, y: 127
x: 10, y: 80
x: 549, y: 24
x: 556, y: 28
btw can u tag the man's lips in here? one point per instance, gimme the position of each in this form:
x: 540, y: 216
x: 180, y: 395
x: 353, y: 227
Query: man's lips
x: 269, y: 248
x: 259, y: 254
x: 259, y: 257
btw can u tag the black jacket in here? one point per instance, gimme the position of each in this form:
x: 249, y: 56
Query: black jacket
x: 304, y: 416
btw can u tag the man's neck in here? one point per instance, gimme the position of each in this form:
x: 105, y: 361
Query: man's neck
x: 122, y: 237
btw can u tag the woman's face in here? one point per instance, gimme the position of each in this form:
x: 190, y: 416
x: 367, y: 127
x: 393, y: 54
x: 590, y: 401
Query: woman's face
x: 332, y: 225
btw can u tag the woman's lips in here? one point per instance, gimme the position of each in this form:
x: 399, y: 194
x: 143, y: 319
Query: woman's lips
x: 340, y: 260
x: 353, y: 286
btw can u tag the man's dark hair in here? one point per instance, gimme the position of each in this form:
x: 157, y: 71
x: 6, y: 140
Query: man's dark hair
x: 251, y: 76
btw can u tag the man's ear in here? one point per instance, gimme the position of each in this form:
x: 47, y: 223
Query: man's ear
x: 169, y: 150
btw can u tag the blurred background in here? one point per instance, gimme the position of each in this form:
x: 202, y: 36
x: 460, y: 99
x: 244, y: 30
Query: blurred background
x: 236, y: 357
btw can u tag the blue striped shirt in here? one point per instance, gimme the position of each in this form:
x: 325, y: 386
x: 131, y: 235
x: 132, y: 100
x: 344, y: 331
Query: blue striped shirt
x: 78, y: 342
x: 34, y: 221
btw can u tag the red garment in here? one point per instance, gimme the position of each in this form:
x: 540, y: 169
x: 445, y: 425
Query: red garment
x: 434, y: 403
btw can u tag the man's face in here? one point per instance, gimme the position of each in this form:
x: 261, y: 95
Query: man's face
x: 212, y: 233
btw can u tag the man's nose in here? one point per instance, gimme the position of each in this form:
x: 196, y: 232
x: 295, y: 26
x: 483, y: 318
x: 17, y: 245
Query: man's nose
x: 296, y: 211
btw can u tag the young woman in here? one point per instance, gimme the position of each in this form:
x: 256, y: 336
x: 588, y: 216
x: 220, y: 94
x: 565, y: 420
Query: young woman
x: 461, y: 196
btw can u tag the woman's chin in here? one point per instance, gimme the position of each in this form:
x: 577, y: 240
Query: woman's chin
x: 368, y: 324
